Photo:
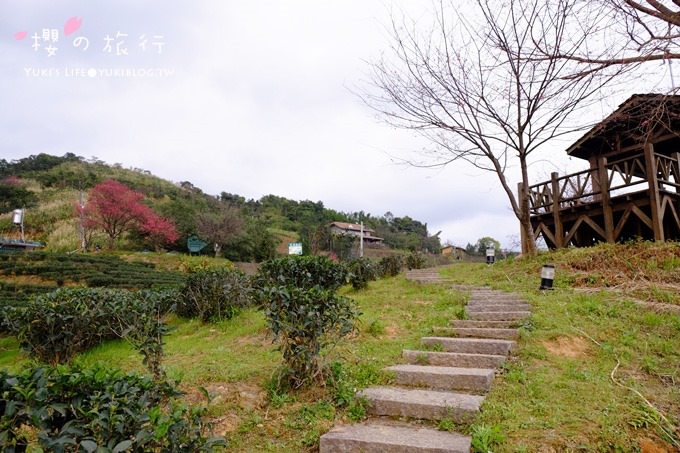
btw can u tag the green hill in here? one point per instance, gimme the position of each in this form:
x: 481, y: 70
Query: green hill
x: 50, y: 188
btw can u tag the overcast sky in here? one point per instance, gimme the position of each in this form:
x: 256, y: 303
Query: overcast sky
x: 252, y: 98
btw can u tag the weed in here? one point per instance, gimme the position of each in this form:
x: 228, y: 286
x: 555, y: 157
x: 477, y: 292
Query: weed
x: 422, y: 359
x: 446, y: 424
x: 436, y: 347
x: 485, y: 438
x: 357, y: 409
x: 376, y: 328
x: 250, y: 422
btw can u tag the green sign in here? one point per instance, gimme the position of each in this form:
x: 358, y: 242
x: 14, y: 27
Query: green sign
x: 195, y: 244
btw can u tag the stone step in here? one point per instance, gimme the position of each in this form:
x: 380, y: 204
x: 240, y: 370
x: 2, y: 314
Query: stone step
x: 484, y: 324
x: 497, y: 307
x: 493, y: 294
x: 494, y: 300
x: 422, y: 404
x: 484, y: 299
x: 476, y: 332
x: 454, y: 359
x: 498, y: 315
x: 471, y: 345
x: 374, y: 437
x: 443, y: 377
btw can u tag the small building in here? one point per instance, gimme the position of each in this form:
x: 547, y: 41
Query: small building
x: 631, y: 188
x: 353, y: 229
x: 458, y: 253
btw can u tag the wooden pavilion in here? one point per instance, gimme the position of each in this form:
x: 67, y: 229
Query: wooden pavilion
x: 631, y: 188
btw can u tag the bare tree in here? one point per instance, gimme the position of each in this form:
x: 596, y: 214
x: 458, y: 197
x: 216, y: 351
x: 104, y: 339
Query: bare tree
x: 626, y: 32
x: 481, y: 88
x: 220, y: 227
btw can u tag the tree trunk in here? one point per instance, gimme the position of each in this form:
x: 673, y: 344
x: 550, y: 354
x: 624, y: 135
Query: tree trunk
x: 218, y: 248
x: 527, y: 231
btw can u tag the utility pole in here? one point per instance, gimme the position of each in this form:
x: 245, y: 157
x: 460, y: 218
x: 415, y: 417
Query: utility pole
x: 361, y: 241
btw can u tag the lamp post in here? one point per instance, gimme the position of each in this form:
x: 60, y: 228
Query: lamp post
x: 490, y: 254
x: 547, y: 276
x: 18, y: 219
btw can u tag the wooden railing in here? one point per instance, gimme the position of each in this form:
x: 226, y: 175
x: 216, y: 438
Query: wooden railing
x: 571, y: 190
x: 623, y: 176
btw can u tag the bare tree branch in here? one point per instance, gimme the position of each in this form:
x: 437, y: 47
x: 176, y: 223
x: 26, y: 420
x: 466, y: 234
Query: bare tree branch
x: 488, y: 88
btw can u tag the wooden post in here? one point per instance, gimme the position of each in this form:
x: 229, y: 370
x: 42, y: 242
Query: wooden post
x: 676, y: 171
x: 654, y: 198
x: 607, y: 213
x: 557, y: 219
x: 596, y: 185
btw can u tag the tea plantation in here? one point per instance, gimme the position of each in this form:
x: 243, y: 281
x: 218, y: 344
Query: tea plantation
x: 23, y: 275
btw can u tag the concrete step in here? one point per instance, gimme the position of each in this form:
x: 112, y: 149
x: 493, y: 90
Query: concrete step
x: 494, y: 296
x: 465, y: 323
x: 476, y: 332
x: 423, y: 404
x: 476, y: 380
x: 498, y: 315
x: 471, y: 345
x: 454, y: 359
x: 500, y: 299
x: 497, y: 307
x: 374, y: 437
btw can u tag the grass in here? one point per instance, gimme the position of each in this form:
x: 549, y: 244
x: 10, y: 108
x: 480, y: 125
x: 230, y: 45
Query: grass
x: 555, y: 394
x: 235, y: 362
x: 584, y: 362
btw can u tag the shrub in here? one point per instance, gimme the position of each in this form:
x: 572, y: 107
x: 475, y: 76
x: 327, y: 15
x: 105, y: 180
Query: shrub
x: 415, y: 260
x: 390, y: 266
x: 71, y: 409
x: 304, y: 321
x: 214, y: 295
x: 302, y: 272
x: 54, y: 327
x: 360, y: 272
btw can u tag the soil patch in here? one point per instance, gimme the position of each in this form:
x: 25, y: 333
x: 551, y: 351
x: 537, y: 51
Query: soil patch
x: 570, y: 347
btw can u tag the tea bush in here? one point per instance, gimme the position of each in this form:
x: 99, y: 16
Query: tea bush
x: 66, y: 409
x: 91, y: 270
x: 214, y: 294
x: 56, y: 326
x: 390, y: 266
x: 415, y: 260
x: 302, y: 272
x: 360, y: 272
x: 304, y: 321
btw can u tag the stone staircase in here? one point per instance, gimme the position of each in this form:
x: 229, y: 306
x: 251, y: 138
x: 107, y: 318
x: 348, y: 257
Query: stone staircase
x: 446, y: 380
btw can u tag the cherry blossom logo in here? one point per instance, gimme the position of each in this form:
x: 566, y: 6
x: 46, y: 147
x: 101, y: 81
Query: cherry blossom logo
x: 72, y: 25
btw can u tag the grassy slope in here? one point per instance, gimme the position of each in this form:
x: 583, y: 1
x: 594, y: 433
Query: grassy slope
x: 556, y: 395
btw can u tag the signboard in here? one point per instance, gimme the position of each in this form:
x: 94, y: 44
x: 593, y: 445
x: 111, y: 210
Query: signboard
x: 195, y: 244
x: 295, y: 248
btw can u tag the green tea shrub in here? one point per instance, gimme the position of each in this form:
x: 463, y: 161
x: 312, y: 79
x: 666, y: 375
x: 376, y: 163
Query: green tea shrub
x: 214, y: 294
x: 390, y: 266
x: 304, y: 321
x: 302, y: 272
x: 415, y: 260
x: 360, y: 271
x: 54, y: 327
x: 65, y: 409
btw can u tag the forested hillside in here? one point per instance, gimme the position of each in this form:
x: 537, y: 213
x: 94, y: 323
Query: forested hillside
x: 52, y: 188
